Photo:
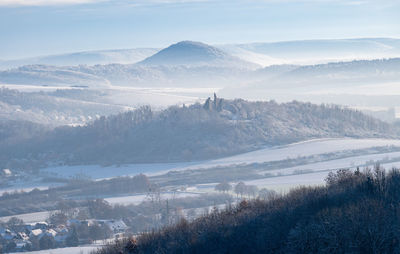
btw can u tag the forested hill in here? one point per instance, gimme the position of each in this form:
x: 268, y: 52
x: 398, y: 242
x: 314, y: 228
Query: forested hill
x: 202, y: 131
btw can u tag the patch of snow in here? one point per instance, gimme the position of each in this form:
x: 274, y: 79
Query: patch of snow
x: 69, y: 250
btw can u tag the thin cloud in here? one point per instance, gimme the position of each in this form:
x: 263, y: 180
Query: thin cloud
x: 44, y: 2
x: 17, y: 3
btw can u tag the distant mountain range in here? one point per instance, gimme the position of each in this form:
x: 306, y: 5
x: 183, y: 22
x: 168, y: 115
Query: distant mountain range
x: 181, y: 62
x: 263, y: 53
x: 221, y: 72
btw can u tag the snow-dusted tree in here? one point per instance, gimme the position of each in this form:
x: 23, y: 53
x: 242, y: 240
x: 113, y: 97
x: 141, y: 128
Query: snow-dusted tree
x: 251, y: 190
x: 266, y: 194
x: 223, y: 187
x: 240, y: 189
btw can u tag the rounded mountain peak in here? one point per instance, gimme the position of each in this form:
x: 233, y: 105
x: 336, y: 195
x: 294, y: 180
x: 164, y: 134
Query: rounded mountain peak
x: 186, y: 53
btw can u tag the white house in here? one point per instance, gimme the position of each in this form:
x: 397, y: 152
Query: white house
x: 35, y: 233
x: 6, y: 172
x: 117, y: 226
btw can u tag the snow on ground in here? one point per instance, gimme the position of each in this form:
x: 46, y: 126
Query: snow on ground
x: 68, y: 250
x: 351, y: 162
x: 120, y: 200
x: 137, y: 199
x: 30, y: 217
x: 306, y: 148
x: 284, y: 183
x: 319, y: 171
x: 20, y: 188
x: 99, y: 172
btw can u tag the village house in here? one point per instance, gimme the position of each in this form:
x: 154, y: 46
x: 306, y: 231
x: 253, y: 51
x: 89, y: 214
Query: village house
x: 116, y: 226
x: 6, y: 172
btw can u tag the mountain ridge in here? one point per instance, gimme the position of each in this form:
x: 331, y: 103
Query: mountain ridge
x: 262, y: 53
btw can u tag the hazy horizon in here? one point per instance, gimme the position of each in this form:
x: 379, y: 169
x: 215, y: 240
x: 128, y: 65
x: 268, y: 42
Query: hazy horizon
x: 40, y: 27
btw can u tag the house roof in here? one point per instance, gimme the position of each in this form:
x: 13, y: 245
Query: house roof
x: 116, y: 224
x: 36, y: 232
x: 6, y: 171
x: 51, y: 232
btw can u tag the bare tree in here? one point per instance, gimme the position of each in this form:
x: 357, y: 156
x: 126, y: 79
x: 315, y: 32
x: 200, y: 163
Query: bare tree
x: 240, y: 189
x: 266, y: 194
x: 223, y: 187
x: 251, y: 190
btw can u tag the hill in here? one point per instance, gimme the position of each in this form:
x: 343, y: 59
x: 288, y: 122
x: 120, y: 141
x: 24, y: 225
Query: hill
x: 121, y: 56
x: 216, y: 129
x: 307, y: 52
x: 356, y: 212
x: 311, y: 82
x: 229, y: 72
x: 195, y: 64
x: 194, y: 53
x: 62, y: 107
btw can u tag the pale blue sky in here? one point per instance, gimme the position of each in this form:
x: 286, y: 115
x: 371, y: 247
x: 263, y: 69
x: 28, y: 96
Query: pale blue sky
x: 41, y: 27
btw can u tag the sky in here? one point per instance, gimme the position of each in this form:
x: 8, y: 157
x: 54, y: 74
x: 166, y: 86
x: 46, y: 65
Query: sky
x: 43, y: 27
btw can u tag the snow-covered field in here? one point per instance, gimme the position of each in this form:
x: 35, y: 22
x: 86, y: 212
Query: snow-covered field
x: 69, y: 250
x: 120, y: 200
x: 99, y: 172
x: 29, y: 217
x: 292, y: 151
x: 284, y: 183
x: 306, y: 148
x: 22, y: 187
x: 350, y: 162
x: 137, y: 199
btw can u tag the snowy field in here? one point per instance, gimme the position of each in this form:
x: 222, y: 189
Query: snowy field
x: 120, y: 200
x: 99, y: 172
x: 292, y: 151
x: 22, y: 187
x: 351, y: 162
x: 282, y: 184
x: 29, y: 217
x: 137, y: 199
x: 306, y: 148
x: 280, y: 179
x: 69, y: 250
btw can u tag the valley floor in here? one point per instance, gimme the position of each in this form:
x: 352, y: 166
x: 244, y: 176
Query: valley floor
x: 278, y: 168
